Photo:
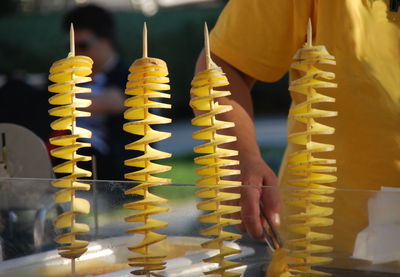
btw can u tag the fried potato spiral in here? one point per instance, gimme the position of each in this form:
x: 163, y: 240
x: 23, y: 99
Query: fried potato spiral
x: 147, y: 79
x: 313, y: 175
x: 214, y: 167
x: 67, y: 74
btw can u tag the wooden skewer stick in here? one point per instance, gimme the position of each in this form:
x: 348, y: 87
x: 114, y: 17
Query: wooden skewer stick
x: 309, y: 33
x: 71, y: 41
x: 208, y: 66
x: 144, y: 40
x: 72, y: 54
x: 207, y: 46
x: 145, y: 55
x: 73, y: 269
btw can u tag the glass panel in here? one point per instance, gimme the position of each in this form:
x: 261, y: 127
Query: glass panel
x: 366, y: 231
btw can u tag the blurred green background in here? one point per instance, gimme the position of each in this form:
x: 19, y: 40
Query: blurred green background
x: 31, y: 40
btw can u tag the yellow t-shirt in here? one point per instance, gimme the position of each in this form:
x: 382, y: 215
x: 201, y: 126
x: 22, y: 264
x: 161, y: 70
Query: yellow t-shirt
x: 260, y: 38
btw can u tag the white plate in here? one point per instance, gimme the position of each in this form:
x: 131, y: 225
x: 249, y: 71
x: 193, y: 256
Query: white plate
x: 108, y: 258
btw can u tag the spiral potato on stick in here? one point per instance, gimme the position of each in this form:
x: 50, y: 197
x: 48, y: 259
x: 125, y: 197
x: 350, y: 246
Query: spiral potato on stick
x: 314, y: 176
x: 147, y: 79
x: 214, y: 164
x: 67, y: 74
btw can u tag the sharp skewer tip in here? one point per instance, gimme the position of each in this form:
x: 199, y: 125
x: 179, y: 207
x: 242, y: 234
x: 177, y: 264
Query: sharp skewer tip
x: 145, y: 40
x: 71, y: 40
x: 207, y: 46
x: 309, y: 33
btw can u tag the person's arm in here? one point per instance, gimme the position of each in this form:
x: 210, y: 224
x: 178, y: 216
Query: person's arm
x: 255, y: 173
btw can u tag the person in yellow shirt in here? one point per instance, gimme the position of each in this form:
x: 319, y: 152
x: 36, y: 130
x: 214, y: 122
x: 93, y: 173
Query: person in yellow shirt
x: 257, y: 39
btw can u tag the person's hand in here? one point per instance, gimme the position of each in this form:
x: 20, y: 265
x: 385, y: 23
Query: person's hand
x: 259, y: 184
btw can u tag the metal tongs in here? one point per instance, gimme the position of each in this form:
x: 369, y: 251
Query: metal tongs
x: 271, y: 235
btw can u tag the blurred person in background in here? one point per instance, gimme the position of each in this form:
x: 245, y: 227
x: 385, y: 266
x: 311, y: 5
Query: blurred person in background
x: 95, y: 37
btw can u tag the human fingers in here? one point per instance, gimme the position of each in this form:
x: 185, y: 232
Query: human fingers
x: 271, y: 202
x: 251, y: 219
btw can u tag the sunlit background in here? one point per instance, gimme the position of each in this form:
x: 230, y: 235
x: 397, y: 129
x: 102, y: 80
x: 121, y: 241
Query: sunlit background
x: 31, y: 39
